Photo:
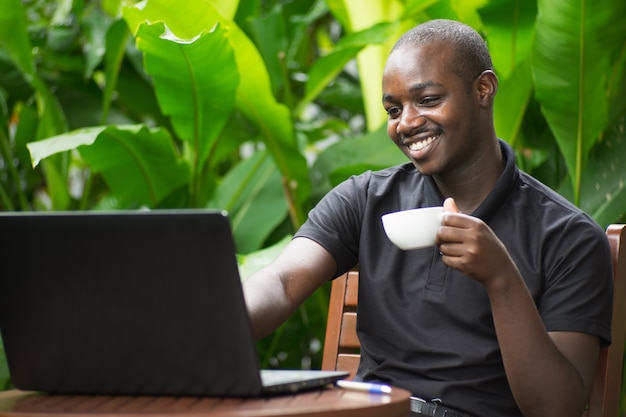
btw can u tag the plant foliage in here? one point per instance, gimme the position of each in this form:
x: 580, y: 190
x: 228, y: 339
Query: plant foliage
x: 259, y: 107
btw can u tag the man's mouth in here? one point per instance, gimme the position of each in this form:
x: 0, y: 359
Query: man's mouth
x: 421, y: 144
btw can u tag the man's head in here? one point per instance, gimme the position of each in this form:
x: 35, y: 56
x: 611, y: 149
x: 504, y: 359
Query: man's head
x: 438, y: 91
x: 470, y: 54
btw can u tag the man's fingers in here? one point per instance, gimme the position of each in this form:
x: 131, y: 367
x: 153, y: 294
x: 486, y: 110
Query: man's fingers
x: 450, y: 205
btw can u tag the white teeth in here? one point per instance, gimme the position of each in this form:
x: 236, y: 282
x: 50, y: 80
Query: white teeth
x: 416, y: 146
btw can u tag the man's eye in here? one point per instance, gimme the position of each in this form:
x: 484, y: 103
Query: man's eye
x: 430, y: 100
x: 393, y: 111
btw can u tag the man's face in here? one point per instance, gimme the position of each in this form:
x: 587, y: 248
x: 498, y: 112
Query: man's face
x: 432, y: 115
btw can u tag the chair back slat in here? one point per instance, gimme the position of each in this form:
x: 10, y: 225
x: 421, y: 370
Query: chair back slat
x: 348, y: 338
x: 352, y: 289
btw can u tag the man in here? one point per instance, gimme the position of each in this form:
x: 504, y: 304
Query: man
x: 506, y: 316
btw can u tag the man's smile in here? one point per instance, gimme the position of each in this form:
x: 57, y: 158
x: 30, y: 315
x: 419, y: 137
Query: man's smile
x: 417, y: 144
x: 421, y: 144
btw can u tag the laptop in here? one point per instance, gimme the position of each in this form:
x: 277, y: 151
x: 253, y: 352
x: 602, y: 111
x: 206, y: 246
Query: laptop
x: 132, y: 303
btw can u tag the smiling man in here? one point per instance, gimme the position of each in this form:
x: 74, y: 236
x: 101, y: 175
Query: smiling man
x: 506, y: 316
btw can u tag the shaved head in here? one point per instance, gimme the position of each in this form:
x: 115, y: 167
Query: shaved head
x: 471, y: 56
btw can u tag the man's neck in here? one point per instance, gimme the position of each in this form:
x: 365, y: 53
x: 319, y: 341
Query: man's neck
x: 471, y: 185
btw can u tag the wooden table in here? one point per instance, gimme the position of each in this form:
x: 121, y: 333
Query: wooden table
x: 329, y: 402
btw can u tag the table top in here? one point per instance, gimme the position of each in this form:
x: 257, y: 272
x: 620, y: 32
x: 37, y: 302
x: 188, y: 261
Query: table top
x: 327, y: 402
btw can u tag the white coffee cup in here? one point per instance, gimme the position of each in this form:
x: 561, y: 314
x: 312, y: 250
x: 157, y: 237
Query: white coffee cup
x: 413, y: 229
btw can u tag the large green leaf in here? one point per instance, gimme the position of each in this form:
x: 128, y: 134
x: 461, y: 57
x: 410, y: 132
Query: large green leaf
x: 228, y: 9
x: 52, y: 119
x: 371, y: 60
x: 255, y: 101
x: 570, y: 67
x: 603, y: 188
x: 14, y: 36
x: 326, y: 69
x: 511, y: 102
x: 195, y: 82
x: 270, y: 37
x: 115, y: 41
x: 140, y: 165
x: 254, y: 94
x: 96, y: 24
x: 14, y: 39
x: 508, y: 26
x: 251, y: 193
x: 353, y: 156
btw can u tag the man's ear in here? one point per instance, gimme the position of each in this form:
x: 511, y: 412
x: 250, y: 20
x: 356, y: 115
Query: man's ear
x: 487, y: 86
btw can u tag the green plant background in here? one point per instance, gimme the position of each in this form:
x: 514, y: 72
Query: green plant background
x: 259, y: 107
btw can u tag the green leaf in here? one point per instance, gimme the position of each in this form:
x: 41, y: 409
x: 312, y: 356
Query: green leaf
x: 570, y: 67
x: 509, y: 27
x: 467, y: 11
x: 352, y: 156
x: 371, y: 60
x: 252, y: 195
x: 44, y: 148
x: 269, y: 34
x: 255, y: 101
x: 96, y: 25
x: 228, y: 9
x: 5, y: 377
x: 416, y: 7
x: 116, y: 39
x: 52, y: 119
x: 511, y: 102
x: 140, y: 165
x: 603, y: 190
x: 254, y: 94
x: 195, y: 81
x: 326, y: 69
x: 112, y: 7
x: 56, y: 182
x: 14, y: 39
x: 14, y: 36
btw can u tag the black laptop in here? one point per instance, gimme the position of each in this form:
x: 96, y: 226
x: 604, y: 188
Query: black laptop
x: 146, y: 302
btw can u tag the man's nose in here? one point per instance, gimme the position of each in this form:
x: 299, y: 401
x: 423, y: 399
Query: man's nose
x: 410, y: 120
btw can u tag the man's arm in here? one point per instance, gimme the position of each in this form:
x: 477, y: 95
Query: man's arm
x: 275, y: 292
x: 550, y: 374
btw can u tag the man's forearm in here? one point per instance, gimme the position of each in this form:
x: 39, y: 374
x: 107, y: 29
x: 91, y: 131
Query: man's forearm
x: 543, y: 379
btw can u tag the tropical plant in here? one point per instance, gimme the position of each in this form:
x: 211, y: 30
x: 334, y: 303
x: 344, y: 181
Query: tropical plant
x: 260, y: 107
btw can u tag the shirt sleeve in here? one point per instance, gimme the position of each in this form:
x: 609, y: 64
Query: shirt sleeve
x: 335, y: 222
x: 578, y: 293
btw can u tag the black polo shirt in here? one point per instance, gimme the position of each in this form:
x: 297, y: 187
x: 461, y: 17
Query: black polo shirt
x: 428, y: 328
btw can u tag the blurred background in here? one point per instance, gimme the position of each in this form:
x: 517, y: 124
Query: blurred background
x: 259, y: 107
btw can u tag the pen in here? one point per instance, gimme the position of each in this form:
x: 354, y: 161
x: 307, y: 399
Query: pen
x: 364, y: 386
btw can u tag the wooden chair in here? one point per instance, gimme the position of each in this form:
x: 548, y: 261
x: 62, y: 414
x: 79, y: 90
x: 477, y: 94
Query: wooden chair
x: 605, y: 394
x: 341, y: 347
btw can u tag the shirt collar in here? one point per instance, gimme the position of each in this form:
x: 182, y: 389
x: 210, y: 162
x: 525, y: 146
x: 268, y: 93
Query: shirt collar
x: 503, y: 188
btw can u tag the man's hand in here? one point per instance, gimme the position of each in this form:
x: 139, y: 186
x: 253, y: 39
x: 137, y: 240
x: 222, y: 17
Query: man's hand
x: 468, y: 245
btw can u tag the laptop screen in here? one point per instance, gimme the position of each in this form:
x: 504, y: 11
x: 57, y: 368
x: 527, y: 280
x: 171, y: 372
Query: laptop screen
x: 146, y: 302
